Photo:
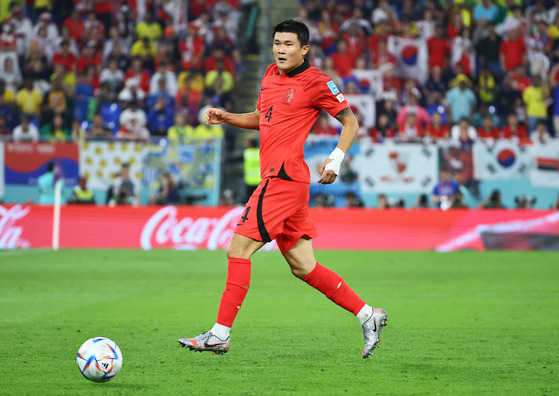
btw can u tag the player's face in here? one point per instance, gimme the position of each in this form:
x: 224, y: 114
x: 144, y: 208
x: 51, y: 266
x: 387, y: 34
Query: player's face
x: 288, y: 51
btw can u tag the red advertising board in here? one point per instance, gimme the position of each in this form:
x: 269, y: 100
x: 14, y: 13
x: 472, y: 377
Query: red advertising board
x: 193, y: 227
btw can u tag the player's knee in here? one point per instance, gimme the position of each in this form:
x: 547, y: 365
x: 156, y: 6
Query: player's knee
x: 299, y: 272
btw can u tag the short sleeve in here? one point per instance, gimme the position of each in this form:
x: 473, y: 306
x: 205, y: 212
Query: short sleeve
x: 328, y: 97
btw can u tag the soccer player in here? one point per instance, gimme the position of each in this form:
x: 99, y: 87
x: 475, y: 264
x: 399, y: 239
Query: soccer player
x: 292, y: 96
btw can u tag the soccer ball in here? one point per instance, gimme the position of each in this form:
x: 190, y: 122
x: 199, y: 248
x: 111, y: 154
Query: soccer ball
x: 99, y: 359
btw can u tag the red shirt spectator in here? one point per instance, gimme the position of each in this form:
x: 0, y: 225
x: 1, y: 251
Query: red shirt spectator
x: 211, y: 62
x: 75, y: 24
x: 438, y: 48
x: 521, y: 80
x: 137, y: 71
x: 192, y: 49
x: 488, y: 133
x: 88, y: 57
x: 512, y: 51
x: 343, y: 61
x: 514, y: 129
x: 65, y: 57
x: 437, y: 132
x: 323, y: 127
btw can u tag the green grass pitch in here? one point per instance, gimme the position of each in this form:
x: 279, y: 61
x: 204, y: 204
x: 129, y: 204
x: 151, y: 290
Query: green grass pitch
x: 460, y: 324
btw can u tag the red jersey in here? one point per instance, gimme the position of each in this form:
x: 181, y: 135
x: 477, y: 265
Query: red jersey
x: 441, y: 132
x: 520, y: 132
x: 491, y: 134
x: 289, y: 105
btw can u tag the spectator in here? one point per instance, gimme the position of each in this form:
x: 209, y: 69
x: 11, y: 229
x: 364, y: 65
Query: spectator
x: 486, y: 87
x: 541, y: 135
x: 435, y: 87
x: 493, y: 201
x: 421, y: 202
x: 514, y: 130
x: 522, y: 81
x: 460, y: 100
x: 382, y: 202
x: 45, y: 23
x: 343, y: 61
x: 329, y: 70
x: 457, y: 201
x: 98, y: 130
x: 65, y: 57
x: 133, y: 124
x: 535, y: 97
x: 123, y: 190
x: 411, y: 130
x: 167, y: 193
x: 45, y: 183
x: 81, y: 194
x: 488, y: 52
x: 445, y: 189
x: 160, y: 117
x: 485, y: 110
x: 163, y: 72
x: 353, y: 201
x: 507, y: 99
x: 554, y: 82
x: 485, y: 13
x: 463, y: 52
x: 29, y: 99
x: 323, y: 127
x: 382, y: 129
x: 148, y: 28
x: 146, y: 50
x: 65, y: 36
x: 436, y: 130
x: 90, y: 58
x: 11, y: 74
x: 463, y: 132
x: 140, y: 73
x: 227, y: 79
x: 180, y: 132
x: 7, y: 115
x: 421, y: 116
x: 438, y: 49
x: 112, y: 42
x: 192, y: 49
x: 25, y: 132
x: 112, y: 77
x: 75, y: 24
x: 512, y: 51
x: 488, y: 131
x: 56, y: 130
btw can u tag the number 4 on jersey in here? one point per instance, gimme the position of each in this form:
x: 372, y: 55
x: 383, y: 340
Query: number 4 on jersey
x: 269, y: 113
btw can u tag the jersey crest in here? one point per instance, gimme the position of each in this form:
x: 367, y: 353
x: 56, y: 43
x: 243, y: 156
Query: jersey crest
x: 289, y: 96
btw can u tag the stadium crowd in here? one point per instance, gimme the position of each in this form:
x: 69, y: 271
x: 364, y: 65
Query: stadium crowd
x: 119, y: 69
x: 132, y: 69
x: 493, y: 68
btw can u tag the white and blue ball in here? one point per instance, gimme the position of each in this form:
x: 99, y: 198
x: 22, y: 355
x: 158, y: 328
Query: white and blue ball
x: 99, y: 359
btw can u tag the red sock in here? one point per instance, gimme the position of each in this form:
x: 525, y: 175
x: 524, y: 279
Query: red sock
x: 236, y: 288
x: 334, y: 287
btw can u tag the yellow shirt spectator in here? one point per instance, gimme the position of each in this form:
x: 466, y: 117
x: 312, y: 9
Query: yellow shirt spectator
x: 195, y: 80
x: 9, y: 96
x: 226, y: 76
x: 29, y: 101
x: 141, y: 49
x: 178, y: 134
x: 208, y: 132
x: 150, y: 30
x: 534, y: 97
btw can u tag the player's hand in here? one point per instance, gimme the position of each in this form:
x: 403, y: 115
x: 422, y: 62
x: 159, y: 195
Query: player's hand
x: 326, y: 177
x: 215, y: 116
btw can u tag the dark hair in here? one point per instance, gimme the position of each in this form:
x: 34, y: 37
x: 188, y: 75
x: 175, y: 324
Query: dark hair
x: 293, y: 26
x: 50, y: 167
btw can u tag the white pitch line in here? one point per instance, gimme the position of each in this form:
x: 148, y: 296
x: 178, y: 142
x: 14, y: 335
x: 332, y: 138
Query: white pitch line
x: 21, y: 252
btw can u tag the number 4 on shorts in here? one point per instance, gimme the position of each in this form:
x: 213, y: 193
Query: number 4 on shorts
x: 244, y: 217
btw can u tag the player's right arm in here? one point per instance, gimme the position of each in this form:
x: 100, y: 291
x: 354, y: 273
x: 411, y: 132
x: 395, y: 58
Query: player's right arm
x: 243, y: 120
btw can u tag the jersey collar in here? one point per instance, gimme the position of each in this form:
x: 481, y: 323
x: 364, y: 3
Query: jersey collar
x: 298, y: 70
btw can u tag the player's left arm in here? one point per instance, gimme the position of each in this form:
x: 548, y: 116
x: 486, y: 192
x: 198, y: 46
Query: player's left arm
x: 331, y: 167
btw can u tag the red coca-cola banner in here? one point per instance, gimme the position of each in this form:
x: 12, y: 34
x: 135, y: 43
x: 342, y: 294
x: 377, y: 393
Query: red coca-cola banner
x: 188, y: 227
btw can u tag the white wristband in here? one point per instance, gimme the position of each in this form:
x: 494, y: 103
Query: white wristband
x: 337, y: 156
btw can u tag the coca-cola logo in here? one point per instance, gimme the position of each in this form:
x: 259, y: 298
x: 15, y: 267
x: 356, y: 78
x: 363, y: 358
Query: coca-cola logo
x: 10, y: 233
x: 164, y: 229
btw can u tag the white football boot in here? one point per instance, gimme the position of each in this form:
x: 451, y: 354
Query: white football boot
x: 206, y: 342
x: 372, y: 329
